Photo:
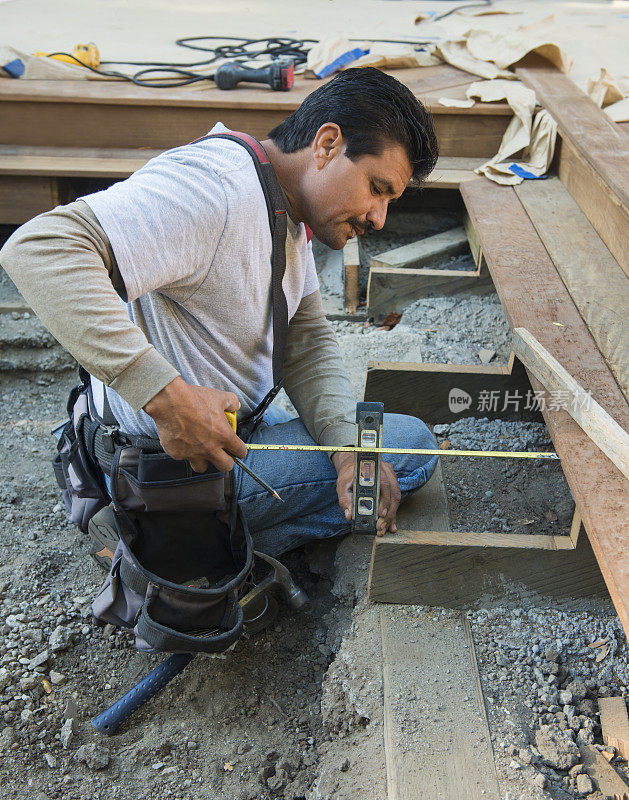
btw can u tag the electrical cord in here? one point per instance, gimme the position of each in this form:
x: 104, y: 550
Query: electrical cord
x: 235, y: 49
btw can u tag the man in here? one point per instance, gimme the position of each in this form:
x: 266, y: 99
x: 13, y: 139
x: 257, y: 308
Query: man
x: 186, y: 242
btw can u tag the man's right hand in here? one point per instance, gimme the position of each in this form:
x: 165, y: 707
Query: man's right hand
x: 192, y: 425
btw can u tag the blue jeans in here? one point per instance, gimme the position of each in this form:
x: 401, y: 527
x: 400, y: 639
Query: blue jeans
x: 307, y: 481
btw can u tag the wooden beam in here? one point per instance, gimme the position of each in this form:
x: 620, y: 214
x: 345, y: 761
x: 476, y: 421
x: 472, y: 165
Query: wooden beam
x: 429, y: 250
x: 585, y: 411
x: 351, y: 267
x: 534, y: 297
x: 462, y: 570
x: 449, y: 753
x: 593, y: 158
x: 597, y: 284
x: 396, y: 288
x: 605, y: 777
x: 615, y: 723
x: 429, y: 391
x: 24, y: 197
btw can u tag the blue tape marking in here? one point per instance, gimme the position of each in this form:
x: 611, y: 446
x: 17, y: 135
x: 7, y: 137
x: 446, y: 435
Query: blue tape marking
x: 524, y: 173
x: 15, y: 68
x: 341, y: 61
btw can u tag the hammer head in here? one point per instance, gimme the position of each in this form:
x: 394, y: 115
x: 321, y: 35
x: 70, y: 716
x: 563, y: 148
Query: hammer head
x: 295, y: 597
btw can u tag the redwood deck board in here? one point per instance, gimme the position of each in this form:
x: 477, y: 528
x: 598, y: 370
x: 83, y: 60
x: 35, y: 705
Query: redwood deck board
x: 534, y: 297
x: 593, y: 160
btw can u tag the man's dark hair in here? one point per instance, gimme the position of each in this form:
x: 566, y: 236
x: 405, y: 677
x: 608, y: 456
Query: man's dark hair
x: 373, y: 110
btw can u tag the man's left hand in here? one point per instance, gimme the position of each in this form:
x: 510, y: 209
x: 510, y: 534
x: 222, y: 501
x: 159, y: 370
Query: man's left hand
x: 390, y: 494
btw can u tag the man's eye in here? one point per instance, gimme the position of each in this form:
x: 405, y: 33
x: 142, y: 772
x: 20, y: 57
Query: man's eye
x: 375, y: 189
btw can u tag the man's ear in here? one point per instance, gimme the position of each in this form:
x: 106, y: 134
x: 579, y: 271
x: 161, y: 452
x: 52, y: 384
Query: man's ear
x: 327, y: 143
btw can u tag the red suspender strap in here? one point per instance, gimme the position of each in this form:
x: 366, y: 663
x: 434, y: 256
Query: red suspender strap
x: 276, y: 209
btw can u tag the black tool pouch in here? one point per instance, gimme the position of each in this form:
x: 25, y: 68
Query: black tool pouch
x: 78, y: 476
x: 183, y: 554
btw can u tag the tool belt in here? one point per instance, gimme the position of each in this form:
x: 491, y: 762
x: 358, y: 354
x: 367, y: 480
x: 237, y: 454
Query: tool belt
x: 184, y: 552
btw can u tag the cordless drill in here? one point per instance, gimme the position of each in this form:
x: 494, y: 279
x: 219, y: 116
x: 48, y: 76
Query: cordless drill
x: 279, y: 75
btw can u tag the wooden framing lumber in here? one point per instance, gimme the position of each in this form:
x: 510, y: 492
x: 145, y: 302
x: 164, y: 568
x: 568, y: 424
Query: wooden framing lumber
x: 115, y: 114
x: 436, y: 392
x: 351, y: 266
x: 534, y: 297
x: 615, y: 723
x: 597, y: 284
x: 24, y: 197
x: 396, y: 288
x: 72, y: 162
x: 452, y: 722
x: 593, y: 158
x: 425, y: 251
x: 605, y: 777
x: 595, y: 421
x: 461, y: 570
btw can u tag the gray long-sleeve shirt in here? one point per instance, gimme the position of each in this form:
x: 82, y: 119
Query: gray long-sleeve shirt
x: 64, y: 265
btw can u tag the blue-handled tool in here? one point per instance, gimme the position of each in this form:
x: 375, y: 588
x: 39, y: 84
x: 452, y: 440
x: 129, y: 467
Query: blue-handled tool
x: 110, y: 720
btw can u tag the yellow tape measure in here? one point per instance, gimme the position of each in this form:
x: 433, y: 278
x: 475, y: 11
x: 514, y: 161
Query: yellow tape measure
x: 315, y: 448
x: 405, y: 451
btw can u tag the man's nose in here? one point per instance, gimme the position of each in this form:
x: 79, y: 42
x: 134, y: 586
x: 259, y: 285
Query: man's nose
x: 378, y: 215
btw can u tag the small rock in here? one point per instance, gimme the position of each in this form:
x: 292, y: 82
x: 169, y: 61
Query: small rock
x: 7, y: 738
x: 5, y: 678
x: 555, y: 748
x: 540, y: 780
x: 525, y: 756
x: 345, y: 765
x: 551, y: 653
x: 565, y: 698
x: 30, y: 682
x: 93, y: 755
x: 439, y: 430
x: 67, y: 732
x: 26, y: 715
x: 109, y: 630
x: 576, y: 770
x: 71, y: 709
x: 584, y: 784
x: 485, y: 355
x: 56, y: 678
x: 50, y: 760
x: 515, y: 764
x: 61, y: 639
x: 578, y: 689
x: 39, y: 661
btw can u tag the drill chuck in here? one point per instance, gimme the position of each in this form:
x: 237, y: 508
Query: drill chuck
x: 279, y: 75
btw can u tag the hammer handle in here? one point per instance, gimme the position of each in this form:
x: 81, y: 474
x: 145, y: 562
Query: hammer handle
x: 112, y: 718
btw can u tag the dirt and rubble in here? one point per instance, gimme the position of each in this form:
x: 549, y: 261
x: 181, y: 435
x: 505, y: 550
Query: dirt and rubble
x: 295, y: 711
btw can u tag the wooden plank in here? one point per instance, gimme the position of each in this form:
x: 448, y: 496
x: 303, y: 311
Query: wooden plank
x: 72, y: 162
x: 594, y: 155
x: 429, y: 250
x: 23, y: 197
x: 597, y: 284
x: 395, y: 288
x: 586, y: 412
x: 604, y: 210
x: 605, y: 777
x: 615, y: 723
x: 518, y: 262
x: 428, y: 391
x: 419, y: 567
x: 472, y: 239
x: 351, y: 265
x: 437, y: 741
